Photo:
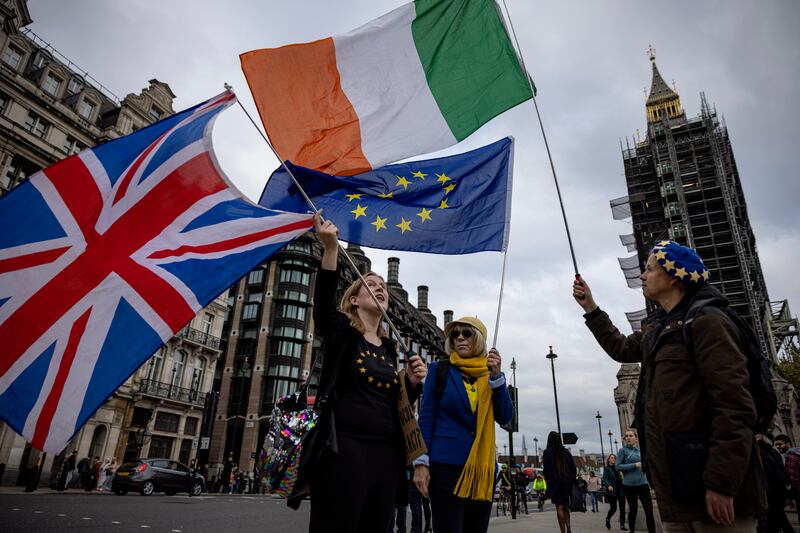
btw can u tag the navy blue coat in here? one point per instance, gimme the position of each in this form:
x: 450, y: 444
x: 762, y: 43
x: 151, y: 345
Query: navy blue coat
x: 448, y: 423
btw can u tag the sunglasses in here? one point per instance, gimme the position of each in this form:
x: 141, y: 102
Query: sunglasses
x: 466, y: 333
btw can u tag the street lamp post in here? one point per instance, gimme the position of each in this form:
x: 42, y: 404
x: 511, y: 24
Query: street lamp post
x: 536, y: 446
x: 600, y: 430
x: 610, y: 447
x: 616, y: 445
x: 552, y: 356
x: 511, y: 460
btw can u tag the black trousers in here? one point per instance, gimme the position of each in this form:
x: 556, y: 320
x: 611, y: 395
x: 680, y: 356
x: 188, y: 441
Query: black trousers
x: 612, y: 502
x: 452, y: 514
x: 634, y: 494
x: 612, y: 505
x: 355, y: 491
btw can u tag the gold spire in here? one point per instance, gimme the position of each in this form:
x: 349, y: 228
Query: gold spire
x: 661, y: 100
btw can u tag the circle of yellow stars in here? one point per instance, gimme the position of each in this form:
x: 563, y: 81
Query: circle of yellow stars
x: 362, y: 370
x: 379, y: 223
x: 670, y: 265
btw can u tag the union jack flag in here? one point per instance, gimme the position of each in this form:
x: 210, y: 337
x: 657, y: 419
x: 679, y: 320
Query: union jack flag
x: 104, y: 255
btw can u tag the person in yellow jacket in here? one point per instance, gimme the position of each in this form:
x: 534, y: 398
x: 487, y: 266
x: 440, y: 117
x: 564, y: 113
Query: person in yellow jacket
x: 540, y: 486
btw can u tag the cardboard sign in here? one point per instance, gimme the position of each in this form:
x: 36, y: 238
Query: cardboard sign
x: 415, y: 444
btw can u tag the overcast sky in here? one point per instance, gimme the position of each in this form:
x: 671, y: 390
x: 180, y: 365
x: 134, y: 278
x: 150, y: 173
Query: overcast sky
x: 589, y: 62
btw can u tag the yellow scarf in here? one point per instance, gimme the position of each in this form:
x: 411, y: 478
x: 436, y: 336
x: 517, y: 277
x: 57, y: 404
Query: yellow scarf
x: 477, y: 477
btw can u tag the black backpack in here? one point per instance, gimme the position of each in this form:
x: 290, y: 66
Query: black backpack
x: 757, y: 363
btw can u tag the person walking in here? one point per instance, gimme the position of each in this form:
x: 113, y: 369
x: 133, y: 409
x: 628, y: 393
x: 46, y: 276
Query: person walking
x: 791, y: 461
x: 354, y: 463
x: 593, y: 486
x: 85, y: 473
x: 457, y: 419
x: 110, y: 469
x: 225, y: 477
x: 559, y: 473
x: 694, y: 404
x: 778, y: 489
x: 636, y: 487
x: 66, y: 471
x: 612, y: 484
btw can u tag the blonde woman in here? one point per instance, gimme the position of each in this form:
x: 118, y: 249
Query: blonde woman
x: 356, y: 466
x: 457, y: 423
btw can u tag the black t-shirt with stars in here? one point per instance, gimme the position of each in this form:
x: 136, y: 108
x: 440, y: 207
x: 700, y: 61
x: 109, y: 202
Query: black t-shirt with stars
x: 366, y: 407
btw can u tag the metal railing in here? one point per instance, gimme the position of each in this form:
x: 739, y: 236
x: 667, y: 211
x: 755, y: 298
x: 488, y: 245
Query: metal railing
x: 200, y: 337
x: 165, y: 390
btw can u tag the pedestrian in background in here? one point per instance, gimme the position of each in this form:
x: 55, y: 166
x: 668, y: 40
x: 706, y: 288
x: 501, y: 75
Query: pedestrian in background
x: 66, y: 471
x: 778, y: 489
x: 636, y: 487
x: 540, y: 487
x: 85, y: 473
x: 791, y: 461
x: 458, y: 425
x: 593, y: 486
x: 559, y: 473
x: 612, y: 484
x: 225, y: 477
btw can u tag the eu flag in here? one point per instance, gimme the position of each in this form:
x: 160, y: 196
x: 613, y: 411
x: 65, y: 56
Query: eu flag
x: 450, y: 205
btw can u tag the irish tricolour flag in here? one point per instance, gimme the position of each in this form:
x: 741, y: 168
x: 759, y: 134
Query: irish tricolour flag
x: 415, y: 80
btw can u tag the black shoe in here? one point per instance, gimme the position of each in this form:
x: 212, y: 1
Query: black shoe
x: 622, y: 527
x: 608, y: 523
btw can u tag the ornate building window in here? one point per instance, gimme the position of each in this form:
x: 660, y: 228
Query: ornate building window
x: 198, y: 373
x: 12, y: 56
x: 41, y: 60
x: 36, y: 124
x: 51, y: 85
x: 190, y: 426
x: 178, y: 363
x: 160, y: 446
x: 86, y: 109
x: 167, y: 422
x: 156, y: 363
x: 72, y: 146
x: 75, y: 85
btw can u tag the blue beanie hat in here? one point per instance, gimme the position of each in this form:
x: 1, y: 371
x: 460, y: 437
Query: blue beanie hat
x: 681, y: 262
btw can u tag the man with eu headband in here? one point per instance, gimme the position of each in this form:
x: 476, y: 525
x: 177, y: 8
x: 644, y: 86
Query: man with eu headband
x: 694, y: 409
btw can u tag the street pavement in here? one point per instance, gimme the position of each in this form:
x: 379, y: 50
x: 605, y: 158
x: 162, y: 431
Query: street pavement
x: 50, y: 511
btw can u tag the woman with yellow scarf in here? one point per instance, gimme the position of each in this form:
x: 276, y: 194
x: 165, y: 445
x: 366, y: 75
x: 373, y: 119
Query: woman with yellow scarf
x: 461, y: 402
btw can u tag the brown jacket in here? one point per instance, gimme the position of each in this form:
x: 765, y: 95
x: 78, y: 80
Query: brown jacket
x: 695, y: 414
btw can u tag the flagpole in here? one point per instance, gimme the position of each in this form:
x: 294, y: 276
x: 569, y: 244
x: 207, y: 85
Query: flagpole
x: 546, y: 144
x: 341, y: 248
x: 500, y: 300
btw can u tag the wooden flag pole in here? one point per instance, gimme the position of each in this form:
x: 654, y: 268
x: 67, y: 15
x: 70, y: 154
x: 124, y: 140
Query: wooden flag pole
x: 341, y: 248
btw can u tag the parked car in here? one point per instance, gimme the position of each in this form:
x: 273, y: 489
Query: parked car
x: 156, y: 475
